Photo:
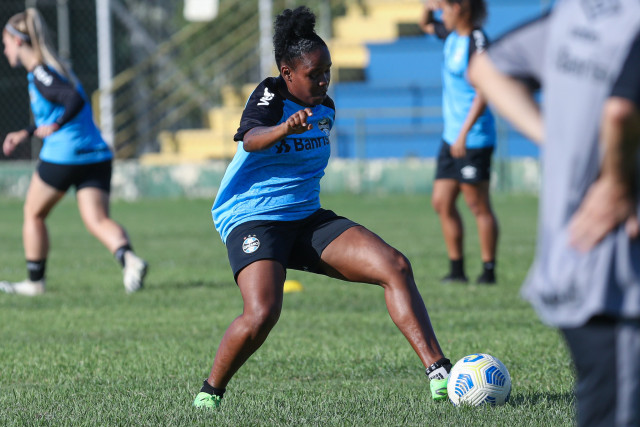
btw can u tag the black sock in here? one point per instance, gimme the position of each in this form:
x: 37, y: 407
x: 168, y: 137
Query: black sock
x: 35, y: 269
x: 439, y: 370
x: 208, y: 388
x: 457, y: 267
x: 120, y: 253
x: 489, y: 267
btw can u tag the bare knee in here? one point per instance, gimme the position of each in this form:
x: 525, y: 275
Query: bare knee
x: 475, y: 207
x: 263, y: 318
x: 480, y: 209
x: 398, y: 271
x: 442, y: 206
x: 32, y: 213
x: 436, y: 204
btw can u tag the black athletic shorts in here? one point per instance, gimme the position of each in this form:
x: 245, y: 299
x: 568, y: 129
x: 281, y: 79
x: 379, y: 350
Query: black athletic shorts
x: 473, y: 168
x: 61, y: 177
x: 294, y: 244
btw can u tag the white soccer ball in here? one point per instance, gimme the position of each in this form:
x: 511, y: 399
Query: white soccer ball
x: 477, y: 379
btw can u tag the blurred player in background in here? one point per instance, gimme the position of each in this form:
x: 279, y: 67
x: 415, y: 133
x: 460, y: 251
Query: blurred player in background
x: 73, y: 153
x: 585, y: 55
x: 469, y: 137
x: 269, y: 216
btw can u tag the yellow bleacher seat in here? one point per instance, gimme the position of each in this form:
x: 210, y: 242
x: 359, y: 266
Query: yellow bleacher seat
x: 225, y: 119
x: 348, y: 54
x: 208, y: 143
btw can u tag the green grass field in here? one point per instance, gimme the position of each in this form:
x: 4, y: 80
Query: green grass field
x: 85, y: 353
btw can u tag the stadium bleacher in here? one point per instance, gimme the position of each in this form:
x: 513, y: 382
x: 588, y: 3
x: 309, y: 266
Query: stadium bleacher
x: 386, y: 85
x: 405, y: 74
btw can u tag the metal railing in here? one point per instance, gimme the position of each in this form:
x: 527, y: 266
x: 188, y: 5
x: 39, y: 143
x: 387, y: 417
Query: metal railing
x: 182, y: 78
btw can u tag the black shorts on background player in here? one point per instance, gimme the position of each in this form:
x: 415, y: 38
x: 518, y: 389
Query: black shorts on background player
x: 474, y: 167
x: 61, y: 177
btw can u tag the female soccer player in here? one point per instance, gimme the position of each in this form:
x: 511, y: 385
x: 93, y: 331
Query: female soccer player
x: 464, y: 162
x: 585, y: 280
x: 269, y: 216
x: 73, y: 153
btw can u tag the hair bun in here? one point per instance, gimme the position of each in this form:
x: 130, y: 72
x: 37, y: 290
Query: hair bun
x: 296, y: 24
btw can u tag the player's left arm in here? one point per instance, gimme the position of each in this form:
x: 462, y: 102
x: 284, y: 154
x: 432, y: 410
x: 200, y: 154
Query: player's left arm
x: 58, y: 91
x: 610, y: 200
x: 458, y: 149
x: 477, y: 44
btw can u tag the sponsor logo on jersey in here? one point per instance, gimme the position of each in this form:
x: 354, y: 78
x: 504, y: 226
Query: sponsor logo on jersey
x: 250, y: 244
x: 42, y: 76
x: 301, y: 144
x: 325, y: 126
x: 268, y: 96
x: 469, y: 172
x: 283, y: 147
x: 582, y: 67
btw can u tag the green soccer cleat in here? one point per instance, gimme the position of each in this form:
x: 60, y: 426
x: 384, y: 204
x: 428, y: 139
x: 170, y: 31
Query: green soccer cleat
x: 210, y: 401
x: 438, y: 389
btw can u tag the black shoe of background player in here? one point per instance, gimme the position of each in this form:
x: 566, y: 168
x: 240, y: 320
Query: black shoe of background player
x: 486, y: 278
x: 454, y: 278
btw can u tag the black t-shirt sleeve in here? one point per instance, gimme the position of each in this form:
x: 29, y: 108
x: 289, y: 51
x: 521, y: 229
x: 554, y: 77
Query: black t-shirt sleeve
x: 627, y: 84
x: 441, y: 31
x: 58, y: 91
x: 264, y: 108
x: 478, y: 42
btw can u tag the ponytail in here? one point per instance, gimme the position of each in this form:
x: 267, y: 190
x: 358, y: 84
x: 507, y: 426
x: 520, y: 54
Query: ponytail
x: 31, y: 28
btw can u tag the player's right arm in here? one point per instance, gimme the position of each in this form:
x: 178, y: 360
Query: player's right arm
x: 13, y: 139
x: 263, y: 137
x: 428, y: 24
x: 263, y: 124
x: 60, y: 92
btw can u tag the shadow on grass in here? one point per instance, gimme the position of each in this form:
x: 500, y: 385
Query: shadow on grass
x: 565, y: 398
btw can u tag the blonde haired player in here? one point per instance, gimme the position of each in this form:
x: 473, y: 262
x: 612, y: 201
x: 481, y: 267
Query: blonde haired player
x: 73, y: 154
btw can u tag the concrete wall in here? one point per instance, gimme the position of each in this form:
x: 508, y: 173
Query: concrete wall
x: 132, y: 180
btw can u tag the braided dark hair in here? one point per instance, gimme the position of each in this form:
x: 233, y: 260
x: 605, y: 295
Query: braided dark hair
x: 294, y: 35
x: 477, y: 9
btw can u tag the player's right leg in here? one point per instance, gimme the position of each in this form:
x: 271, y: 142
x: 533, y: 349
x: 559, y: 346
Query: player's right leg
x: 261, y: 285
x: 443, y: 200
x: 41, y: 198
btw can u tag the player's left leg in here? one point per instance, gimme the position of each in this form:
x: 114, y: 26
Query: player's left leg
x: 93, y: 204
x: 358, y: 255
x: 477, y: 197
